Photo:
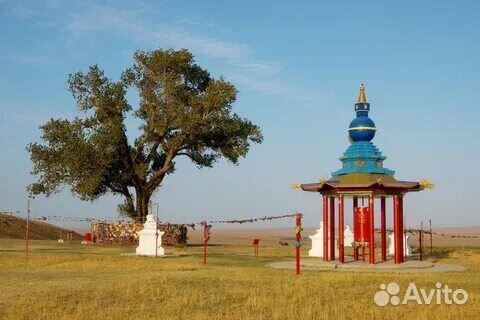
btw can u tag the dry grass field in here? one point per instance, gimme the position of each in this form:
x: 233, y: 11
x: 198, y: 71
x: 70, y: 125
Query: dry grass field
x: 73, y: 281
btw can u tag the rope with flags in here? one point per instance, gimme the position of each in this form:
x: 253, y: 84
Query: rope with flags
x: 416, y: 231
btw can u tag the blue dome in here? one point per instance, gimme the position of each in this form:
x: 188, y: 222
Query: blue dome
x: 362, y: 128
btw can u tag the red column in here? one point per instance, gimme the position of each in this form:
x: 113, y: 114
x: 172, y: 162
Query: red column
x: 355, y: 250
x: 372, y: 229
x: 298, y: 238
x: 331, y: 221
x: 325, y: 228
x: 205, y: 242
x: 400, y: 226
x: 384, y: 228
x: 341, y: 227
x: 396, y: 230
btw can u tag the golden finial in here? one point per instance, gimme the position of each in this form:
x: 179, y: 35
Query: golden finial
x: 296, y: 185
x: 426, y: 184
x: 361, y: 96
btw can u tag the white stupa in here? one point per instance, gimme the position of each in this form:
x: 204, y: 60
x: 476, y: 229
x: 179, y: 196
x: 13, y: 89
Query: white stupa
x: 407, y: 250
x: 149, y: 238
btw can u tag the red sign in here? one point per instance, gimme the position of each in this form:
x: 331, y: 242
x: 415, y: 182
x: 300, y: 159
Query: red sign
x: 361, y: 226
x: 255, y: 242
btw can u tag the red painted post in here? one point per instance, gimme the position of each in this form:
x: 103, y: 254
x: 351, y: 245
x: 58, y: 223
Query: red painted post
x: 355, y: 249
x: 255, y: 244
x: 383, y: 227
x: 395, y: 229
x: 431, y: 237
x: 205, y: 242
x: 401, y: 247
x: 331, y: 220
x: 325, y: 228
x: 355, y: 253
x: 372, y: 229
x: 298, y: 244
x: 420, y: 249
x: 420, y: 244
x: 27, y: 231
x: 156, y: 235
x: 341, y: 245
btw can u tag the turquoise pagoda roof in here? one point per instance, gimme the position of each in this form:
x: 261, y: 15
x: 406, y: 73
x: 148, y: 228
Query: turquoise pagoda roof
x: 362, y: 156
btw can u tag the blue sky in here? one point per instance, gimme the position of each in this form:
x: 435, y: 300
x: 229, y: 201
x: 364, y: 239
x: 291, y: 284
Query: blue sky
x: 297, y: 66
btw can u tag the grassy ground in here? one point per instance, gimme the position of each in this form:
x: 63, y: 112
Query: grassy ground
x: 72, y: 281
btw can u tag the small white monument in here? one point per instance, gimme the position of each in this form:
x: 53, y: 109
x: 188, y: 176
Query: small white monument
x: 407, y: 250
x: 317, y: 243
x: 149, y: 241
x: 348, y: 237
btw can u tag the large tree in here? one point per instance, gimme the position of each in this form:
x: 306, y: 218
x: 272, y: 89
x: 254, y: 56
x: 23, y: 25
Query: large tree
x: 182, y: 111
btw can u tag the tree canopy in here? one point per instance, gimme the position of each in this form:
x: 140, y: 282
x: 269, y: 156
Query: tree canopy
x: 183, y: 111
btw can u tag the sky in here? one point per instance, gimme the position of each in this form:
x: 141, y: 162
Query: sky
x: 297, y: 66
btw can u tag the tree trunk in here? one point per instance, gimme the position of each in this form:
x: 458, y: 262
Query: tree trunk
x: 141, y: 208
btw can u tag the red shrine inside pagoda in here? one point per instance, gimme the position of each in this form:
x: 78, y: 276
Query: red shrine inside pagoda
x: 364, y: 180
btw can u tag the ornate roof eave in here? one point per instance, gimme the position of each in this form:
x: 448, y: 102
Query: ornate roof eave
x: 333, y: 186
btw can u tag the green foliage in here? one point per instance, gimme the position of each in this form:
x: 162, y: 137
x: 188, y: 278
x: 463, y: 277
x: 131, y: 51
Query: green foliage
x: 183, y: 112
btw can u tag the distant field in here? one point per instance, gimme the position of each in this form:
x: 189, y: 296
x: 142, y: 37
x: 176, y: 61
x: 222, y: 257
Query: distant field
x: 73, y: 281
x: 273, y: 235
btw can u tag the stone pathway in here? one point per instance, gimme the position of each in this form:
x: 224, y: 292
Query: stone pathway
x: 359, y: 266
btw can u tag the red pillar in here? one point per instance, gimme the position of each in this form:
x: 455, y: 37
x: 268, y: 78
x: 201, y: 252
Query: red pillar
x: 331, y: 221
x: 205, y: 226
x: 341, y: 227
x: 401, y: 235
x: 325, y: 228
x: 298, y: 238
x: 372, y: 229
x: 384, y: 228
x: 396, y: 230
x: 355, y: 249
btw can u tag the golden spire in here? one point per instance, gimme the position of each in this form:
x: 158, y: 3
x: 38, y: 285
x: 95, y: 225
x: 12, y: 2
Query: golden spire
x: 361, y: 96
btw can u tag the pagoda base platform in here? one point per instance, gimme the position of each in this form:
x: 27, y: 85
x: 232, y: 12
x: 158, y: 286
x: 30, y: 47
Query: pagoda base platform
x: 360, y: 266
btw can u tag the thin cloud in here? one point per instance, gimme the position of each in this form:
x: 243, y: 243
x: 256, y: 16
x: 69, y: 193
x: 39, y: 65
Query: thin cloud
x: 142, y: 24
x: 21, y: 12
x: 137, y: 24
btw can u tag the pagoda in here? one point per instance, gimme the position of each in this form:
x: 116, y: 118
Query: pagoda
x: 363, y: 178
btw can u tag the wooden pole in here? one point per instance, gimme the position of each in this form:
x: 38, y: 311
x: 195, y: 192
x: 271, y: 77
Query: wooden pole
x: 156, y: 234
x: 372, y: 229
x: 420, y: 241
x: 298, y: 238
x: 325, y: 228
x: 431, y: 237
x: 205, y: 242
x: 27, y: 233
x: 331, y: 236
x: 341, y: 227
x: 383, y: 227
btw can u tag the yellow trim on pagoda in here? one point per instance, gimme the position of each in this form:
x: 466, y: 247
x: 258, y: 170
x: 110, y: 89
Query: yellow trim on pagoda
x: 363, y: 128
